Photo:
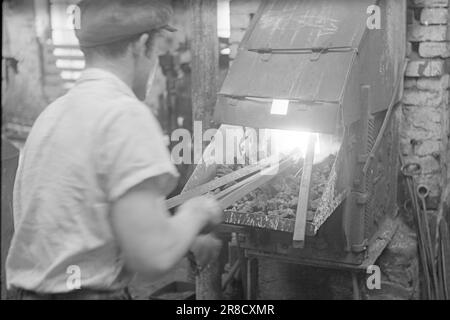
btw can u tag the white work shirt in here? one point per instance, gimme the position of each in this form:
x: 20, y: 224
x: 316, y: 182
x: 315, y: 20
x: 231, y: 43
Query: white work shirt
x: 85, y: 150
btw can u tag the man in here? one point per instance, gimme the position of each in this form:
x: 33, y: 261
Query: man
x: 10, y: 160
x: 89, y: 198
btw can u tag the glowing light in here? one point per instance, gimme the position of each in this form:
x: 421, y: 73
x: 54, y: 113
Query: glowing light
x: 225, y: 51
x: 223, y: 19
x: 285, y: 141
x: 280, y: 107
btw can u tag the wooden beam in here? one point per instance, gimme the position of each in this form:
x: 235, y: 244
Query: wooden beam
x: 205, y: 60
x: 42, y: 20
x: 205, y: 71
x: 303, y: 197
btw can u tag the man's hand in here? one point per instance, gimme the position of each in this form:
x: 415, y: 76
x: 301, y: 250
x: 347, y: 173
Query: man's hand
x: 206, y: 248
x: 153, y: 242
x: 206, y: 209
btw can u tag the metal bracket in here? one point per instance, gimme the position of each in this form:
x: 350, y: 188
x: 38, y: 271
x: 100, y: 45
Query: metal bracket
x: 315, y: 55
x: 358, y: 248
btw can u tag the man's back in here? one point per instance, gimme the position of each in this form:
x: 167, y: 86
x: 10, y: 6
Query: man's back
x: 84, y: 152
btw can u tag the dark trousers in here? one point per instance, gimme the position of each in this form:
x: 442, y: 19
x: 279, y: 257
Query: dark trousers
x: 82, y: 294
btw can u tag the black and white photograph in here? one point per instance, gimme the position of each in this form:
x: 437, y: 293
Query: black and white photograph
x: 240, y: 153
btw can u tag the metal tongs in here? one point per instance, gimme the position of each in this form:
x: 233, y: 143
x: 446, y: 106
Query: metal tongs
x: 247, y: 179
x: 432, y: 257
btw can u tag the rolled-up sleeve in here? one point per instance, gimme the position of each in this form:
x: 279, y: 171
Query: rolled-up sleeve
x: 132, y: 150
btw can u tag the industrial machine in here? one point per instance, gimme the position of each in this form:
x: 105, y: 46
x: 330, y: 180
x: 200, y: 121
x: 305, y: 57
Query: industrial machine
x: 318, y: 67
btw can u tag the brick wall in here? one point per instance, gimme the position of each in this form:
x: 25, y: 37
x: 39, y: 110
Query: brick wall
x: 425, y: 127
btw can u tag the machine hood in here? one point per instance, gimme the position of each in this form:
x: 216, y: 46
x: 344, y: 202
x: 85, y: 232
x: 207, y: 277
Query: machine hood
x: 313, y: 54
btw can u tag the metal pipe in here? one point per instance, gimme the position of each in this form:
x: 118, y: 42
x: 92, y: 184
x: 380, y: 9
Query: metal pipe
x: 423, y: 192
x: 355, y: 284
x: 231, y: 274
x: 408, y: 173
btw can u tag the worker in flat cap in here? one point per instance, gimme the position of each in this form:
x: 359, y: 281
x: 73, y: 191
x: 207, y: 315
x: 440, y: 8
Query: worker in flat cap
x: 89, y: 197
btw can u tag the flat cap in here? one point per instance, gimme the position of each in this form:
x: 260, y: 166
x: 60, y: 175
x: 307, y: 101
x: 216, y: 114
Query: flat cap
x: 107, y: 21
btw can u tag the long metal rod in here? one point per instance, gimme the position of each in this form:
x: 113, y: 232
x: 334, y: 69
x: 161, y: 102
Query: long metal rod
x: 217, y: 183
x: 270, y: 171
x: 444, y: 251
x: 253, y: 183
x: 426, y: 252
x: 422, y: 249
x: 431, y: 253
x: 421, y: 237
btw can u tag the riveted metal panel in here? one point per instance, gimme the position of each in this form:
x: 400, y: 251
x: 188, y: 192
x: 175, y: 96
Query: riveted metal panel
x: 289, y: 76
x: 290, y: 24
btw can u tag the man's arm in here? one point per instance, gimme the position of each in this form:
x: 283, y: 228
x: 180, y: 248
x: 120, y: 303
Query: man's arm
x: 153, y: 242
